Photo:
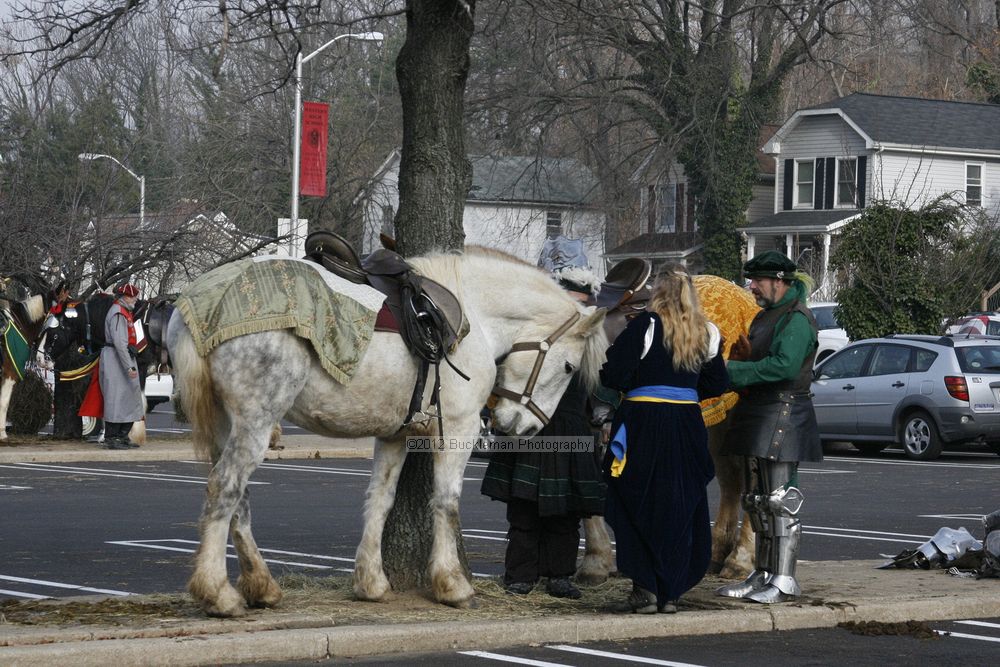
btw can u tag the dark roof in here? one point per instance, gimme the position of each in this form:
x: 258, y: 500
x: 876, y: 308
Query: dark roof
x: 804, y: 218
x: 653, y: 243
x: 922, y: 122
x: 529, y: 179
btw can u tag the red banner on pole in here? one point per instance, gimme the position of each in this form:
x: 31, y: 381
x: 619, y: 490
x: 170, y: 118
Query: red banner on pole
x: 312, y: 165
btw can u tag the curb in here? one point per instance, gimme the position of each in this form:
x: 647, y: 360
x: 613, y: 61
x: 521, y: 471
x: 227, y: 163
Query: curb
x: 189, y: 648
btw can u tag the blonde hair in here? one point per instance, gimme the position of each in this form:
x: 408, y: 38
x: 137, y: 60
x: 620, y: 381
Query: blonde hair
x: 685, y: 330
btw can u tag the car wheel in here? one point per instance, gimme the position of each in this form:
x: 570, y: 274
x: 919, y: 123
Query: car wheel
x: 920, y: 437
x: 995, y: 446
x: 90, y: 424
x: 870, y: 448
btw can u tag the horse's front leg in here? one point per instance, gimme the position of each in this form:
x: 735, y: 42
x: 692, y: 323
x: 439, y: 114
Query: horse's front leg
x: 729, y: 473
x: 598, y: 561
x: 5, y: 391
x: 740, y: 561
x: 448, y: 580
x: 370, y: 582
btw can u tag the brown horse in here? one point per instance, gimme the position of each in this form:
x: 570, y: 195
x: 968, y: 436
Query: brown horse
x: 731, y: 308
x: 20, y: 323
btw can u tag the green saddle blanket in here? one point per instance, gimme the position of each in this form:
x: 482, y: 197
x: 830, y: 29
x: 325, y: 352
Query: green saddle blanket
x: 267, y: 294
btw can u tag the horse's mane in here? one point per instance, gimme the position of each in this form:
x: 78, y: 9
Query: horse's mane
x: 34, y: 306
x: 447, y: 268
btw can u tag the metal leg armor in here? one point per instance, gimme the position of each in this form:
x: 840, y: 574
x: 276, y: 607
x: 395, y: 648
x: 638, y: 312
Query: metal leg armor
x: 754, y: 512
x: 781, y: 505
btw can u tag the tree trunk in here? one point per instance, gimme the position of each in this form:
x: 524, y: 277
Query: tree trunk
x: 434, y: 179
x: 434, y: 172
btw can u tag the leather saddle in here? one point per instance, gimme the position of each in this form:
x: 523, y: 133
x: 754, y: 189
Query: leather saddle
x: 625, y: 285
x: 417, y: 302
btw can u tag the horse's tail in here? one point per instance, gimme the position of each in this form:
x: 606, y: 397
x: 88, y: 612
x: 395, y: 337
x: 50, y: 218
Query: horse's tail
x: 195, y: 390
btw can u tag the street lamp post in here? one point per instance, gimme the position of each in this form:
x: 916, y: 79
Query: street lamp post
x: 142, y: 180
x: 296, y: 140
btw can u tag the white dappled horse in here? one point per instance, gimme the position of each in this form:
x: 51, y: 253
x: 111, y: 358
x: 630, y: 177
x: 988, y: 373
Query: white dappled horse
x: 235, y: 394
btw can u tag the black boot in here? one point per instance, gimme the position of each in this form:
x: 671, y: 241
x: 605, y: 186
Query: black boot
x: 562, y: 587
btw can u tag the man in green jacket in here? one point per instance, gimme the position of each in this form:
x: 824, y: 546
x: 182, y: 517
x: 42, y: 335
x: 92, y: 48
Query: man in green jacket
x: 774, y: 424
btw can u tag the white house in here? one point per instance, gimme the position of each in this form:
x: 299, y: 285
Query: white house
x: 834, y: 159
x: 514, y: 204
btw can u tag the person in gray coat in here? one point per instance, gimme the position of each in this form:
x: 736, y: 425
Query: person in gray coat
x: 119, y: 371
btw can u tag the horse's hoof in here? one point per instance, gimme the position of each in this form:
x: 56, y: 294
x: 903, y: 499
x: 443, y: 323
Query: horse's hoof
x: 469, y: 603
x: 733, y: 571
x: 591, y: 578
x: 378, y: 593
x: 715, y: 567
x: 260, y: 592
x: 227, y: 609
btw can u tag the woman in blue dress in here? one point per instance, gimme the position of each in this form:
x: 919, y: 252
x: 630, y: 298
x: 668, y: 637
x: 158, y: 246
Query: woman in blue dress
x: 658, y: 466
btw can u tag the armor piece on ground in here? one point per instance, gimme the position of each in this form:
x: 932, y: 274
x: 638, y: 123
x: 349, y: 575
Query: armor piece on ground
x: 947, y: 545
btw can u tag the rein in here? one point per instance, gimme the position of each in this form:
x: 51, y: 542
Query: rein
x: 542, y: 348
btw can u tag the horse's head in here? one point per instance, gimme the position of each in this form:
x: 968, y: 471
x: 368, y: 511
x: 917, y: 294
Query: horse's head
x: 533, y: 375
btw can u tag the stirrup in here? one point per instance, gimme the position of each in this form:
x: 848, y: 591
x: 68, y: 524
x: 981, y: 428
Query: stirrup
x: 757, y: 580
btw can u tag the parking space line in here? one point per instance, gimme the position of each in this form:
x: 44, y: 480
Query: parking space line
x: 19, y: 594
x: 158, y: 544
x: 962, y: 635
x: 935, y: 464
x: 56, y: 584
x: 872, y: 532
x: 956, y: 517
x: 511, y: 658
x: 982, y: 624
x: 620, y: 656
x: 104, y: 472
x: 9, y: 487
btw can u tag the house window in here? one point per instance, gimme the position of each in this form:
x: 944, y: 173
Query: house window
x: 804, y: 177
x: 387, y: 216
x: 974, y: 184
x: 553, y: 224
x: 666, y: 202
x: 847, y: 182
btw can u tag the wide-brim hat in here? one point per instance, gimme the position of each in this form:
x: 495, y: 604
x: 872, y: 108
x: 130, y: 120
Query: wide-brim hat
x: 770, y: 264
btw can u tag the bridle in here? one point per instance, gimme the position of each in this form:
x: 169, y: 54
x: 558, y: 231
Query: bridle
x: 541, y: 347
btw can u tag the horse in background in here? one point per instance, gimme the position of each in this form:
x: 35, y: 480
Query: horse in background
x: 524, y: 334
x: 76, y: 336
x: 731, y: 308
x: 20, y: 325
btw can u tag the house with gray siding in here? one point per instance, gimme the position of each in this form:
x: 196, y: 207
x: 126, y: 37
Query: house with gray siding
x: 667, y: 227
x: 517, y: 204
x: 834, y: 159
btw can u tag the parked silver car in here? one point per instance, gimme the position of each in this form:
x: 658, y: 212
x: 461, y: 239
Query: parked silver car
x: 923, y: 392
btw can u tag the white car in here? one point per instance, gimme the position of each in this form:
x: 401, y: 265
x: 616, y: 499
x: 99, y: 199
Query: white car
x: 831, y: 336
x: 159, y: 389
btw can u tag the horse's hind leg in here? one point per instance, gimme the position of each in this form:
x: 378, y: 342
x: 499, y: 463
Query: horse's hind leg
x: 448, y: 579
x: 256, y: 584
x: 370, y: 582
x: 226, y: 486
